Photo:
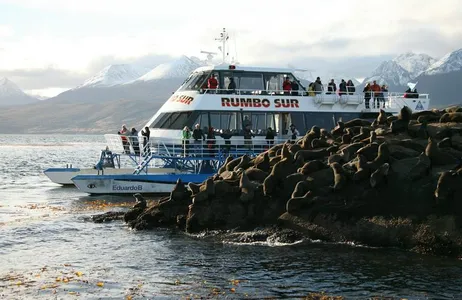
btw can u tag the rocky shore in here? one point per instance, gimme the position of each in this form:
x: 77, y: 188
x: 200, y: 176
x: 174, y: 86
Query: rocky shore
x: 394, y: 182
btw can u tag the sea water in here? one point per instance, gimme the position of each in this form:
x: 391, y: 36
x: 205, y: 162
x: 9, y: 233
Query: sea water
x: 50, y: 250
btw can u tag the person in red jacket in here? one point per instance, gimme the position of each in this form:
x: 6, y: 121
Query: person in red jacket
x: 212, y: 84
x: 376, y: 90
x: 287, y: 86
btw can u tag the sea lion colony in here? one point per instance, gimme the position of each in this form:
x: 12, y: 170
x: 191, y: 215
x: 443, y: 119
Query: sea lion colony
x: 399, y: 166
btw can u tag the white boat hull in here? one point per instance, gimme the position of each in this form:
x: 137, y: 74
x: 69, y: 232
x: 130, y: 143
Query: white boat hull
x: 64, y: 176
x: 131, y: 184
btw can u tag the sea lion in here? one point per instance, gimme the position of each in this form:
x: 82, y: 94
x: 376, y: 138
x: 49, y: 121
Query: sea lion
x: 179, y: 192
x: 449, y: 187
x: 338, y: 158
x: 346, y: 138
x: 285, y: 153
x: 205, y: 191
x: 339, y: 129
x: 339, y: 177
x: 383, y: 156
x: 362, y: 171
x: 350, y: 151
x: 140, y: 201
x: 311, y: 167
x: 244, y: 163
x: 194, y: 188
x: 455, y: 117
x: 269, y: 185
x: 326, y: 134
x: 255, y: 174
x: 421, y: 168
x: 230, y: 166
x: 405, y: 114
x: 357, y: 122
x: 319, y: 143
x: 300, y: 189
x: 453, y: 109
x: 295, y: 148
x: 284, y: 168
x: 424, y: 113
x: 363, y: 133
x: 247, y: 188
x: 380, y: 175
x: 264, y: 165
x: 436, y: 156
x: 312, y: 154
x: 445, y: 143
x: 398, y: 126
x: 382, y: 117
x: 223, y: 167
x: 391, y: 119
x: 297, y: 203
x: 274, y: 160
x: 429, y: 118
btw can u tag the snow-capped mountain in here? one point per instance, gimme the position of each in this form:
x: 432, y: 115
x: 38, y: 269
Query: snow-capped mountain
x: 391, y: 74
x: 414, y: 63
x: 451, y: 62
x: 113, y: 75
x: 11, y: 94
x: 179, y: 68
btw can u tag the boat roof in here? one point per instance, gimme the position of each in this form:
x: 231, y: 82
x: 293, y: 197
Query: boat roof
x: 233, y: 67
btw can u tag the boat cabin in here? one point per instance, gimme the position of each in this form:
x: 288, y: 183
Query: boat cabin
x: 261, y: 98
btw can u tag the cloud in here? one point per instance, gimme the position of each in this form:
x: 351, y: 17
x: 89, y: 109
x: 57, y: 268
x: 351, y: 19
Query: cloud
x: 6, y: 31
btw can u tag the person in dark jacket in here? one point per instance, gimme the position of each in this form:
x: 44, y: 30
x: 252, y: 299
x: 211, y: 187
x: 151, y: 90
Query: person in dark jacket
x: 197, y: 135
x: 331, y: 87
x: 318, y: 88
x: 226, y: 135
x: 145, y: 133
x: 342, y: 89
x: 350, y: 87
x: 294, y: 87
x: 367, y: 95
x: 270, y: 136
x: 134, y: 141
x: 231, y: 86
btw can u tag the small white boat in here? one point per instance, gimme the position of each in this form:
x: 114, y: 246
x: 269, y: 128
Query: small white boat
x: 63, y: 176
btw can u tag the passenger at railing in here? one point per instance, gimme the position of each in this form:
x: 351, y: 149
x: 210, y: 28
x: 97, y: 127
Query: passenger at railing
x: 367, y: 94
x: 295, y: 88
x: 134, y: 141
x: 287, y: 85
x: 350, y: 87
x: 197, y: 135
x: 231, y: 86
x: 311, y: 89
x: 293, y: 132
x: 331, y: 87
x: 211, y: 141
x: 342, y: 88
x: 270, y: 134
x: 248, y: 135
x: 384, y: 94
x: 146, y: 134
x: 226, y: 135
x: 411, y: 93
x: 318, y: 88
x: 246, y: 122
x: 186, y: 135
x: 212, y: 84
x: 123, y: 135
x: 375, y: 88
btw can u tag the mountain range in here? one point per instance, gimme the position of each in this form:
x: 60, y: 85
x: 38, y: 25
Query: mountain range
x: 129, y: 94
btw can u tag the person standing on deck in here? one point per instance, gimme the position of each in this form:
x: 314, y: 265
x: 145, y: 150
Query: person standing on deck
x: 124, y: 133
x: 375, y: 88
x: 270, y: 136
x: 186, y: 135
x: 350, y: 87
x: 293, y: 132
x: 287, y: 85
x: 134, y: 141
x: 318, y: 88
x: 367, y: 95
x: 212, y: 84
x: 331, y: 87
x: 197, y: 135
x: 146, y: 134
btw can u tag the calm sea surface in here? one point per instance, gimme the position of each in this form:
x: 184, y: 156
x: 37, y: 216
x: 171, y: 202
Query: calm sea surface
x: 49, y: 249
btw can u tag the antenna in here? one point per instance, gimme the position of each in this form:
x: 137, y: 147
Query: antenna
x: 224, y: 39
x: 209, y: 55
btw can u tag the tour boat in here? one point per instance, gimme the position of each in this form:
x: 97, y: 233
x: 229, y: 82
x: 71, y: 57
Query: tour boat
x: 257, y: 101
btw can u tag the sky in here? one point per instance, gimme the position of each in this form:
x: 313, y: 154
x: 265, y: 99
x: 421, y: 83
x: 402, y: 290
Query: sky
x: 47, y: 46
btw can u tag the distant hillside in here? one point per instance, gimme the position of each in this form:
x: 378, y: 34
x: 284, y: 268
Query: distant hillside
x: 12, y: 95
x: 52, y: 117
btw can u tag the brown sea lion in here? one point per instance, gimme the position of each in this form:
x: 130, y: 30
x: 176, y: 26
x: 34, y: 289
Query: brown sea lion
x: 383, y: 156
x: 223, y: 167
x: 339, y: 129
x: 382, y: 117
x: 296, y: 204
x: 326, y: 134
x: 284, y: 168
x: 391, y: 119
x: 405, y: 114
x: 421, y: 168
x: 247, y: 188
x: 449, y: 187
x: 338, y: 158
x: 311, y: 167
x: 349, y: 152
x: 285, y: 153
x: 429, y: 119
x: 380, y: 175
x: 269, y: 184
x: 255, y: 174
x: 312, y: 154
x: 357, y: 122
x: 340, y: 179
x: 362, y: 171
x: 230, y: 166
x: 319, y: 143
x: 264, y: 165
x: 301, y: 189
x: 455, y: 117
x: 445, y: 143
x: 244, y: 163
x: 436, y: 156
x: 363, y: 133
x: 295, y: 148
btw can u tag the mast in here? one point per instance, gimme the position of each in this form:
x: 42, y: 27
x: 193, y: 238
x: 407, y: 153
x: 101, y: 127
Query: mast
x: 224, y: 39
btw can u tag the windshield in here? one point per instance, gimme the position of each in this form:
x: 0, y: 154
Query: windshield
x: 195, y: 81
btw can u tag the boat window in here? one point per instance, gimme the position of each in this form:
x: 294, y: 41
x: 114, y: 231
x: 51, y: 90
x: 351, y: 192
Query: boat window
x: 273, y: 82
x: 215, y: 120
x: 202, y: 120
x: 196, y: 81
x: 299, y: 121
x: 159, y: 120
x: 250, y: 81
x: 258, y: 123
